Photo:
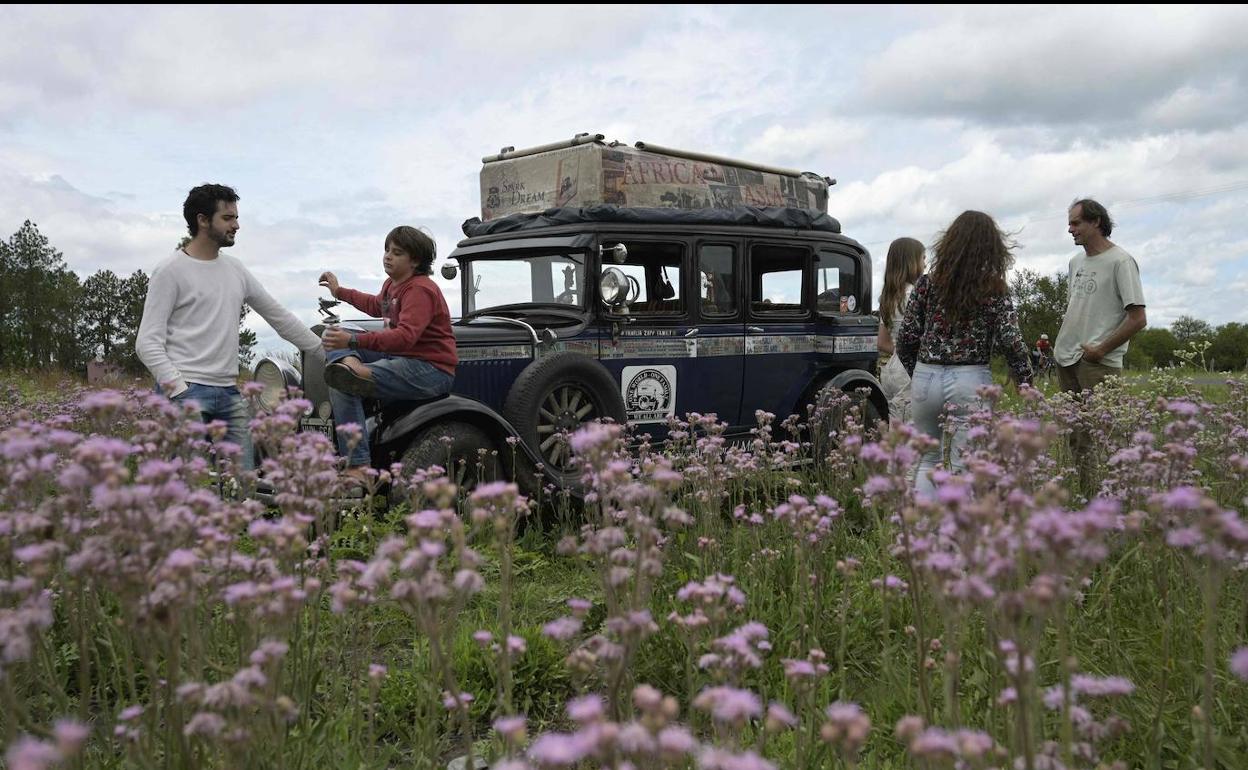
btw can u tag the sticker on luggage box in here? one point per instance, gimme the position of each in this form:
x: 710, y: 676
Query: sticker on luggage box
x: 649, y: 393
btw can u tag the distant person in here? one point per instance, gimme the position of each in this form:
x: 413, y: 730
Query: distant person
x: 412, y: 358
x: 1105, y: 309
x: 904, y: 266
x: 957, y: 316
x: 188, y: 337
x: 1106, y: 305
x: 1041, y: 353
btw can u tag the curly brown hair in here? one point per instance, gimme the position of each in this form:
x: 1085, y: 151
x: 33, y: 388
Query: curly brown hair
x: 972, y: 256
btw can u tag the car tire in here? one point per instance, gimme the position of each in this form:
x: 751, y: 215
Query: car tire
x: 460, y: 458
x: 830, y: 413
x: 556, y: 393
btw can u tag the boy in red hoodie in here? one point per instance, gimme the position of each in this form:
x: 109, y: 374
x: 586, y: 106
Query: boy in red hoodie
x: 412, y: 358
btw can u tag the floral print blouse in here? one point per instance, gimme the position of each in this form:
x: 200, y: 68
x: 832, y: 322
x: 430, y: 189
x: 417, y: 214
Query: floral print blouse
x: 926, y: 335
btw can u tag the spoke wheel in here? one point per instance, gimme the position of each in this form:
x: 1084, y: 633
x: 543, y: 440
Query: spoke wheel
x: 550, y: 400
x: 562, y: 412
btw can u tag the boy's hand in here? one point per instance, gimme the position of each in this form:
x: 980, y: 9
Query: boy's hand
x: 330, y: 281
x: 336, y: 339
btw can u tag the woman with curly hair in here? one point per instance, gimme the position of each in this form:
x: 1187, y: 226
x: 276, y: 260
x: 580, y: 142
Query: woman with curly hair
x: 901, y: 270
x: 957, y: 316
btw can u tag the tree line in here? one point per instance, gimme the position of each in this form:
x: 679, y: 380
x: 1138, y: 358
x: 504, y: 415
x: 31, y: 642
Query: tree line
x: 49, y: 317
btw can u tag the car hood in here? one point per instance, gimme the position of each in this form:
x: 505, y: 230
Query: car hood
x: 490, y: 334
x: 482, y: 332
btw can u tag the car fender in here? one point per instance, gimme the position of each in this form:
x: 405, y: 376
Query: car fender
x: 852, y: 379
x: 405, y: 428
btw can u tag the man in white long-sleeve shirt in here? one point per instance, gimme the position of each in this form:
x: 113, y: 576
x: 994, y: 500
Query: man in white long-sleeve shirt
x: 188, y: 338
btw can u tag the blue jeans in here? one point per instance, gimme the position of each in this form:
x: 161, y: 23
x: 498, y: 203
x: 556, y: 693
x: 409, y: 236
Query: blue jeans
x: 932, y: 387
x: 225, y: 403
x: 396, y: 378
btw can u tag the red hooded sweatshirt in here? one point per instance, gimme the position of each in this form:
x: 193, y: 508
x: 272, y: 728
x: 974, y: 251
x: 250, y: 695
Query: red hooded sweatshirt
x: 418, y: 322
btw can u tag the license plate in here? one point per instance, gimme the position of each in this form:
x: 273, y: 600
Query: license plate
x: 319, y: 425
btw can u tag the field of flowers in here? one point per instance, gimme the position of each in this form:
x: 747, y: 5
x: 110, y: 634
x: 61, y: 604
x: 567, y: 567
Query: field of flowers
x: 786, y: 604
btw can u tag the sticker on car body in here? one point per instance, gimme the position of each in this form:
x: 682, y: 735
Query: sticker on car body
x: 649, y: 393
x: 855, y: 343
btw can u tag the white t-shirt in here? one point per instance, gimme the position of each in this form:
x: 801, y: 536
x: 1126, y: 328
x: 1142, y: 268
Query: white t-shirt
x: 898, y: 313
x: 189, y: 331
x: 1101, y: 288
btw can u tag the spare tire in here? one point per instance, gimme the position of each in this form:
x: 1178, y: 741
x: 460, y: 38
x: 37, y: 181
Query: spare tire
x: 558, y: 393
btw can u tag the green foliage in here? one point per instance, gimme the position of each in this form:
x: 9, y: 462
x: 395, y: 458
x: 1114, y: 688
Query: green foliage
x: 134, y: 294
x: 1151, y: 348
x: 541, y: 682
x: 246, y: 340
x: 1041, y: 302
x: 102, y: 303
x: 39, y: 304
x: 1187, y: 329
x: 1229, y: 351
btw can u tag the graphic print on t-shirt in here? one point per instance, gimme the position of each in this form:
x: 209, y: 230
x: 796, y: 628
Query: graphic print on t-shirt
x: 1085, y: 282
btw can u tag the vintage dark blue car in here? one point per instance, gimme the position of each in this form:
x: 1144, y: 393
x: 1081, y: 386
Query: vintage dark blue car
x: 630, y: 314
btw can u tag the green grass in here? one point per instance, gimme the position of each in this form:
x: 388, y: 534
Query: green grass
x: 1119, y: 627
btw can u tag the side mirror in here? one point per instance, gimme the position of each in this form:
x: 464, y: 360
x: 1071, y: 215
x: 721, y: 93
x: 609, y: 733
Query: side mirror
x: 613, y: 287
x: 449, y: 270
x: 618, y: 253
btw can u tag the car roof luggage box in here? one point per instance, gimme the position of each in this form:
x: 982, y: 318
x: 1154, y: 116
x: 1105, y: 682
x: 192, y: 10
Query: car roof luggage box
x: 586, y: 171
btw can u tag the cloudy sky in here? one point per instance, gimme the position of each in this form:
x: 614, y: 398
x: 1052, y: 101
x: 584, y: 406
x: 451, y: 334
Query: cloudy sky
x: 337, y: 123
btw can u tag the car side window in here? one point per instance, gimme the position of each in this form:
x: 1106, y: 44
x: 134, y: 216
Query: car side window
x: 836, y: 284
x: 778, y: 280
x: 656, y: 267
x: 717, y: 279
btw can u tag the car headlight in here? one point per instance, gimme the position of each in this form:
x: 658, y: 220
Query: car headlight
x: 276, y: 377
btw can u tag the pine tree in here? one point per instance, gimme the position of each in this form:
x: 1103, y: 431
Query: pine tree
x: 102, y: 307
x: 40, y: 303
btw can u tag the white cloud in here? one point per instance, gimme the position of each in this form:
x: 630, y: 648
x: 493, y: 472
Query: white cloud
x: 801, y: 145
x: 338, y: 123
x: 1065, y: 65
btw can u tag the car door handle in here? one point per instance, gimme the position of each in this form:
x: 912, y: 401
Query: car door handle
x: 754, y: 329
x: 692, y: 332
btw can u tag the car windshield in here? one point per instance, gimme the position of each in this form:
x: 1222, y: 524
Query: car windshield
x: 539, y: 279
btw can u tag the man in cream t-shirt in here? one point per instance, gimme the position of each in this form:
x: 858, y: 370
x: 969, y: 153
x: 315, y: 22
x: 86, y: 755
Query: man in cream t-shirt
x: 188, y: 337
x: 1105, y: 309
x: 1106, y: 305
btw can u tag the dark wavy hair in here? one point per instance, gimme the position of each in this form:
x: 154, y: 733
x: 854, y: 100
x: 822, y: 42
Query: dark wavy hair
x: 903, y: 266
x: 203, y: 200
x: 972, y: 257
x: 418, y: 245
x: 1090, y: 211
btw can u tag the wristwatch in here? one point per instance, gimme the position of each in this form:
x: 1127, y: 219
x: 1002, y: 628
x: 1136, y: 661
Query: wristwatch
x: 353, y: 342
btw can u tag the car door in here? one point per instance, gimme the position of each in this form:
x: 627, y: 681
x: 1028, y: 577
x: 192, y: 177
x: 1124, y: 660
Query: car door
x: 846, y: 329
x: 780, y: 328
x: 719, y: 368
x: 652, y: 348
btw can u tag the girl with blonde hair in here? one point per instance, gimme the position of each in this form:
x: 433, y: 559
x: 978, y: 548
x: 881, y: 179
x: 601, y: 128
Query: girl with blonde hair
x: 903, y: 267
